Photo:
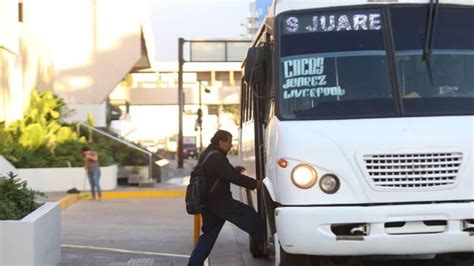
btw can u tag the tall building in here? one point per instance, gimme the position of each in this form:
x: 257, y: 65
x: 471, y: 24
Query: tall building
x: 25, y: 61
x: 152, y: 95
x: 88, y: 46
x: 93, y: 53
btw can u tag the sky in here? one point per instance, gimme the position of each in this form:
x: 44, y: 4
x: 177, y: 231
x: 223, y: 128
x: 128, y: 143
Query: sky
x: 200, y: 19
x: 262, y: 8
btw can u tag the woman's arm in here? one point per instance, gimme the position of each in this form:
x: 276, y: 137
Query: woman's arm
x: 223, y: 169
x: 92, y: 156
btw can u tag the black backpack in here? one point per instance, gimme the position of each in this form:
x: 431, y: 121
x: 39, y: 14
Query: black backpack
x: 197, y: 190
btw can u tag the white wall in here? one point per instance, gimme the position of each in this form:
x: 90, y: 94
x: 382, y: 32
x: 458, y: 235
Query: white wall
x: 94, y: 43
x: 153, y: 123
x: 6, y: 167
x: 34, y: 240
x: 169, y: 96
x: 157, y: 122
x: 25, y: 63
x: 9, y: 39
x: 11, y: 105
x: 81, y: 111
x: 63, y: 179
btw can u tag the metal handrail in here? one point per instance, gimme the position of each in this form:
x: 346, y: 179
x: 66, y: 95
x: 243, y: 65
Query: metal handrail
x: 129, y: 144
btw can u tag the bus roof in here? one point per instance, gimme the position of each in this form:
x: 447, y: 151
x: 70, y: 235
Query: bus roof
x: 280, y: 6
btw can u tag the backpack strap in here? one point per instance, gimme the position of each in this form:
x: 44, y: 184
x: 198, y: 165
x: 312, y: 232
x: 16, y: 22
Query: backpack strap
x: 207, y: 156
x: 202, y: 164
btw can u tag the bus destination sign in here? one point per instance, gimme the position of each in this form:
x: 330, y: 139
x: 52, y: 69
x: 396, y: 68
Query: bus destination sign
x: 324, y: 22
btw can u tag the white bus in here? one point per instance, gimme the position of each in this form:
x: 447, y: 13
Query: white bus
x: 358, y: 117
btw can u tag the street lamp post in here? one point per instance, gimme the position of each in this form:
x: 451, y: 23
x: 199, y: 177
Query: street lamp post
x: 180, y: 103
x: 199, y: 113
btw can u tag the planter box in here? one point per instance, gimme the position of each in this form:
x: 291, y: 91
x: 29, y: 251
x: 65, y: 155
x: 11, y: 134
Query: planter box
x: 5, y: 166
x: 63, y: 179
x: 127, y: 171
x: 34, y: 240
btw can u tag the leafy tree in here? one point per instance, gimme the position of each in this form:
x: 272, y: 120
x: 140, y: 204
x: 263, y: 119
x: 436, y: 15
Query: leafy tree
x: 91, y: 122
x: 233, y: 109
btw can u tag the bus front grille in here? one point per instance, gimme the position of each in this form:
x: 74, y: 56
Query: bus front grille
x: 414, y: 170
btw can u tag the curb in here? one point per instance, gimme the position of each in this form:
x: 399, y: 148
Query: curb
x: 138, y: 194
x: 68, y: 200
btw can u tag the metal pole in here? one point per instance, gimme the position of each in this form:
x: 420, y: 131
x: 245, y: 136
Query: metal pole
x: 197, y: 227
x: 200, y: 103
x: 200, y: 125
x: 180, y: 102
x: 150, y: 166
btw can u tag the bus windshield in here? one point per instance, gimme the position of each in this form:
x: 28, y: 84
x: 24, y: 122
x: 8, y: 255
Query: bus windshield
x: 449, y: 88
x: 336, y: 64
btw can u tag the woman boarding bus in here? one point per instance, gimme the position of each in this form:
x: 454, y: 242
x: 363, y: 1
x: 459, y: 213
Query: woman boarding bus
x: 358, y: 117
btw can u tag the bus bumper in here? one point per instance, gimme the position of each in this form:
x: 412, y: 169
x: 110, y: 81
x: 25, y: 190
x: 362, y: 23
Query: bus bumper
x: 411, y: 229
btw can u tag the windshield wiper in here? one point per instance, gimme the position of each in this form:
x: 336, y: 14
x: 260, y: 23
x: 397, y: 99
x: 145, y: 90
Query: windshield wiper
x: 429, y: 36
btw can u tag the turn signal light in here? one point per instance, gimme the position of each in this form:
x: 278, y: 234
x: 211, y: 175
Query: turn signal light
x: 282, y: 163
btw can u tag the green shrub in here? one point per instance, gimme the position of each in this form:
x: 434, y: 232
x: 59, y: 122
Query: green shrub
x: 22, y: 157
x: 32, y: 141
x: 67, y: 154
x: 113, y: 151
x: 41, y: 140
x: 16, y: 199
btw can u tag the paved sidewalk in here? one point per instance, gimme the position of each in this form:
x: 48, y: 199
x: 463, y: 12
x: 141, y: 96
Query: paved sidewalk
x: 172, y: 179
x: 142, y: 231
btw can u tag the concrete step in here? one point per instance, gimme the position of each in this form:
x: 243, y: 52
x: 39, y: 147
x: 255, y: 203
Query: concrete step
x: 147, y: 183
x: 135, y: 179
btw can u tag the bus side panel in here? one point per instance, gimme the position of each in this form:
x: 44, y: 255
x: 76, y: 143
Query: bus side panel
x: 271, y: 151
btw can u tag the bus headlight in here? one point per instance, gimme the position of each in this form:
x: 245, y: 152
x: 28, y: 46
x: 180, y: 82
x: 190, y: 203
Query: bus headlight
x: 329, y: 184
x: 304, y: 176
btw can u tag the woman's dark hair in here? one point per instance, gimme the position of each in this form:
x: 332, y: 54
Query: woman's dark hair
x: 85, y: 148
x: 221, y: 135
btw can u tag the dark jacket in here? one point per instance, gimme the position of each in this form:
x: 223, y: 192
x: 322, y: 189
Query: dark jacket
x: 218, y: 169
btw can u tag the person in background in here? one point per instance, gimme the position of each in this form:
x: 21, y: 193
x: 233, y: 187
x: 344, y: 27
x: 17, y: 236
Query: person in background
x: 91, y: 164
x: 220, y: 205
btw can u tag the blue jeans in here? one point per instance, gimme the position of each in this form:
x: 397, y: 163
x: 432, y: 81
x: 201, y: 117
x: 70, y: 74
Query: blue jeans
x: 243, y: 216
x: 94, y: 181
